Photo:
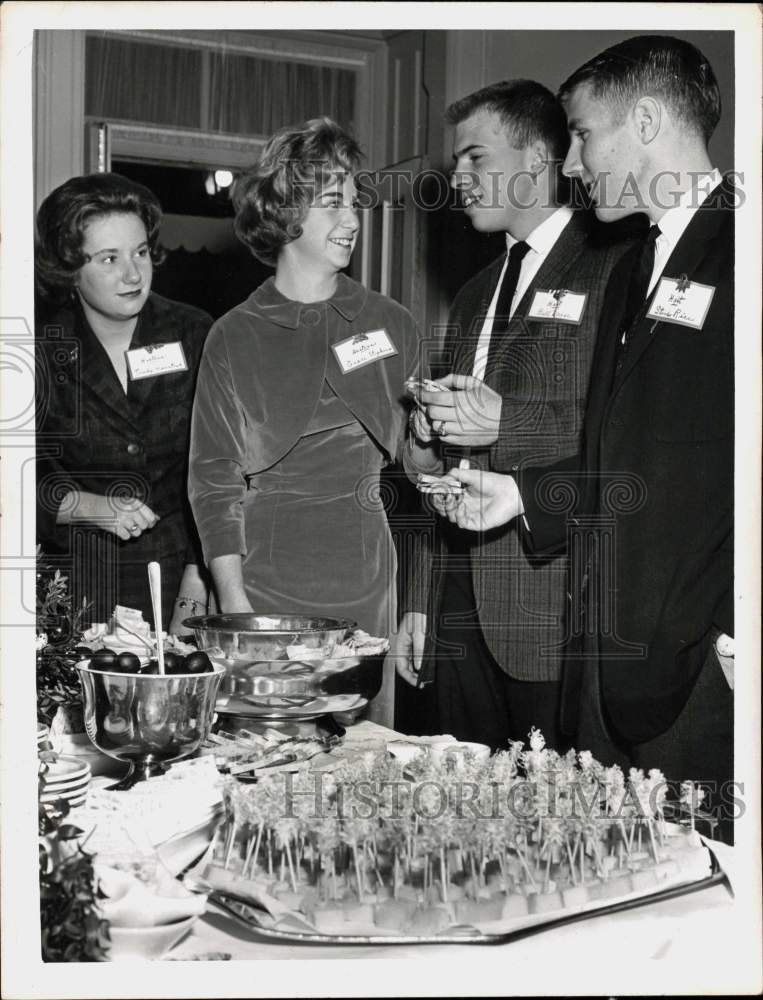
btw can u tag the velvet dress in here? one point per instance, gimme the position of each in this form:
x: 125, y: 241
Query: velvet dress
x: 286, y: 451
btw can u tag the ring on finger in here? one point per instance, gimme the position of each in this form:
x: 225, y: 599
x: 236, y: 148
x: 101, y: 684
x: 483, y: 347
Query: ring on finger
x: 134, y: 527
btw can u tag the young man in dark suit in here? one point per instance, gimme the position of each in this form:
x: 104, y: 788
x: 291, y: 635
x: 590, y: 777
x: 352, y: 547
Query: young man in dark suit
x: 516, y: 362
x: 649, y: 499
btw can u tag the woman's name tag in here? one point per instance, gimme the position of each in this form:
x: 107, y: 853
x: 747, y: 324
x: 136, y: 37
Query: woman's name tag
x: 156, y: 359
x: 363, y: 349
x: 558, y: 304
x: 678, y: 300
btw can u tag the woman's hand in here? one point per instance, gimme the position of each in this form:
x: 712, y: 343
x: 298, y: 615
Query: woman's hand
x: 421, y: 428
x: 125, y: 517
x: 193, y: 599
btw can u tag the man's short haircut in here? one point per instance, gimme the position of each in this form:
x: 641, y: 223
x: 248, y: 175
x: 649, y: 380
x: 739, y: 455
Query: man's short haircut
x: 298, y: 162
x: 527, y: 110
x: 659, y: 66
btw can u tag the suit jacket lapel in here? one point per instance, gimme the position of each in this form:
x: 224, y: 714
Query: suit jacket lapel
x: 144, y: 335
x: 96, y: 370
x: 473, y: 316
x: 551, y: 274
x: 684, y: 260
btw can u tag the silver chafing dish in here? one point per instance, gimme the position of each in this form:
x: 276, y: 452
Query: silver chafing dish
x: 287, y: 666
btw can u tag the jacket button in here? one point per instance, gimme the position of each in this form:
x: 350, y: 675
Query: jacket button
x: 133, y: 449
x: 311, y: 317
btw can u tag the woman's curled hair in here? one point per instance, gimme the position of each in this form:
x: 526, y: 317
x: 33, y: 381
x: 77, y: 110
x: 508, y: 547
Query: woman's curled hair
x: 298, y: 162
x: 64, y: 215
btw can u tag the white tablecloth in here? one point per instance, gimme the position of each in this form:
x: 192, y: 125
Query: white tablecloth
x: 693, y: 943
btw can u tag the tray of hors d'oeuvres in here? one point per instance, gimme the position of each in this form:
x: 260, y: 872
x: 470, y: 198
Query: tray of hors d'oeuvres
x: 448, y: 847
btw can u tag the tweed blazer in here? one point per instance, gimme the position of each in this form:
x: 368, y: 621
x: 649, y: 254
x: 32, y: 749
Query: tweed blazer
x: 541, y: 369
x: 657, y: 463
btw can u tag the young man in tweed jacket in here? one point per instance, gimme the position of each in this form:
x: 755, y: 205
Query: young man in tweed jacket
x: 484, y: 622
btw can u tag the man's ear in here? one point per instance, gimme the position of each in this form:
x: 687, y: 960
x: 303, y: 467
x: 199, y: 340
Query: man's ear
x: 537, y: 157
x: 648, y: 118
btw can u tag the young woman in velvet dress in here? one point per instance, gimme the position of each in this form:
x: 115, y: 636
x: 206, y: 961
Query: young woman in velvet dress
x: 301, y: 401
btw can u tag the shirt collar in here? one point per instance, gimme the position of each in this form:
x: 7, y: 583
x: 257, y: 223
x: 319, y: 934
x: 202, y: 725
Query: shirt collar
x: 348, y: 300
x: 676, y: 219
x: 544, y: 236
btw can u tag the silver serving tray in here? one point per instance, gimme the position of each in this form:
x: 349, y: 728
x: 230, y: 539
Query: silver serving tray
x: 256, y: 920
x: 254, y: 708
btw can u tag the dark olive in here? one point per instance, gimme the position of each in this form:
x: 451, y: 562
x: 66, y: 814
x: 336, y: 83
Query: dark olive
x: 198, y: 663
x: 173, y: 662
x: 104, y: 659
x: 82, y: 651
x: 176, y: 669
x: 128, y: 663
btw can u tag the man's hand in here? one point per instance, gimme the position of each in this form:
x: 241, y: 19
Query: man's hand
x: 489, y: 500
x: 406, y: 647
x: 466, y: 413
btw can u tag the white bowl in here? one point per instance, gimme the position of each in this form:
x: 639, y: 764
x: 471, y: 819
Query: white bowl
x: 129, y: 944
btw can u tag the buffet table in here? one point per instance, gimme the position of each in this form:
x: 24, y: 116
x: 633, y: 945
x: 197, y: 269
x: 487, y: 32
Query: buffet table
x: 658, y: 947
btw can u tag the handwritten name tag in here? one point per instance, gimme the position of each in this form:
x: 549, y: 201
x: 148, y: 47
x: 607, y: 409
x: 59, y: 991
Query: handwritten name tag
x: 363, y: 349
x: 558, y: 304
x: 156, y: 359
x: 678, y: 300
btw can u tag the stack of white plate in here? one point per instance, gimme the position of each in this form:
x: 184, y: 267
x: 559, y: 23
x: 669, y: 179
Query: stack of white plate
x: 43, y: 733
x: 67, y: 778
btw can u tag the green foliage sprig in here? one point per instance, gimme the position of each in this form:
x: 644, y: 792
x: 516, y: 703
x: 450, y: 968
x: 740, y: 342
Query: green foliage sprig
x: 59, y: 629
x: 72, y: 928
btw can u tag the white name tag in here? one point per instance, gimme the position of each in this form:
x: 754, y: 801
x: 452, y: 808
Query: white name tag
x: 156, y: 359
x: 363, y: 349
x: 558, y: 304
x: 678, y: 300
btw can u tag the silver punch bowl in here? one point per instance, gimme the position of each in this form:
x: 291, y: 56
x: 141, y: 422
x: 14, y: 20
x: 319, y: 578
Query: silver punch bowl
x: 287, y: 656
x: 148, y: 720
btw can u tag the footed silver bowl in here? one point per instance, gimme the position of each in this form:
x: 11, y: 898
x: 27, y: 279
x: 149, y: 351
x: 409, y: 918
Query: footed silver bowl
x: 284, y: 656
x: 251, y: 638
x: 148, y: 720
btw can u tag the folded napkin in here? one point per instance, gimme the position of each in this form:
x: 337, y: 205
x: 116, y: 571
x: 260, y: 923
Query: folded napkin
x: 133, y: 903
x: 152, y: 812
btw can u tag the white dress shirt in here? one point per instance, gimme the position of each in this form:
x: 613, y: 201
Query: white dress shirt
x: 675, y: 220
x: 541, y: 240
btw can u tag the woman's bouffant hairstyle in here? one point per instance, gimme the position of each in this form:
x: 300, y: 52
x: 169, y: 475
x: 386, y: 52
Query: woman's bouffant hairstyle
x: 298, y: 162
x: 64, y: 215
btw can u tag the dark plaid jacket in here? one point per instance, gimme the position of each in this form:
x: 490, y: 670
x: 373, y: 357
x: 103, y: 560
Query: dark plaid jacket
x: 93, y: 437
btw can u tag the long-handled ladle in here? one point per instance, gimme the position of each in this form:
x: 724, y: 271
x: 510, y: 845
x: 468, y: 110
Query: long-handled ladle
x: 155, y: 584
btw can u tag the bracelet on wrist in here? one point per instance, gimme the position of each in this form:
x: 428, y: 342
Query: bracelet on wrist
x: 191, y: 603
